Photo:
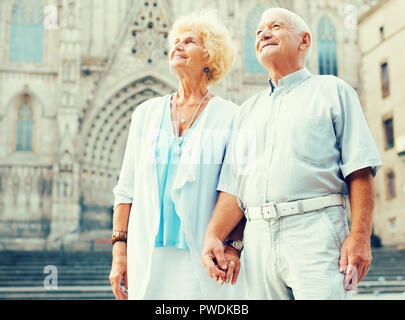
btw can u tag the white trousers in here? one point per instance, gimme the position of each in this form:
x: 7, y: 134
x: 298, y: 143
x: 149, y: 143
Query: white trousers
x: 296, y: 257
x: 172, y: 276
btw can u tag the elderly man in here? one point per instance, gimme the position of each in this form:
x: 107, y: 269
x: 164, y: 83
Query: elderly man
x: 311, y: 148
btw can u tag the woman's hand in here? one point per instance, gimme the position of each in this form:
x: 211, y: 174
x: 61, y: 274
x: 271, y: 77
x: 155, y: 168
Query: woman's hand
x: 213, y: 256
x: 221, y: 262
x: 119, y: 270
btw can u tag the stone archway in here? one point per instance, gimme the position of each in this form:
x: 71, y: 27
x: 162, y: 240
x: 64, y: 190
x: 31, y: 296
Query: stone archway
x: 102, y: 149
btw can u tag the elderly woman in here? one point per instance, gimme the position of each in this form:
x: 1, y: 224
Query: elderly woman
x: 167, y: 189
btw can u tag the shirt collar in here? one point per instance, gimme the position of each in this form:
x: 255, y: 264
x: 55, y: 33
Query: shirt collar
x: 290, y: 81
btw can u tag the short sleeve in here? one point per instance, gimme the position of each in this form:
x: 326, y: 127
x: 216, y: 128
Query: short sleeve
x: 124, y: 189
x: 357, y: 146
x: 227, y: 177
x: 239, y: 160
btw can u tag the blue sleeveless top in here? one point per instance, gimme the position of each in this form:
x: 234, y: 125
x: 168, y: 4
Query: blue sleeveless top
x: 167, y: 159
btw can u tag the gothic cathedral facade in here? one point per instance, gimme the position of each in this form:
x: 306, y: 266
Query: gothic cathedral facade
x: 73, y: 71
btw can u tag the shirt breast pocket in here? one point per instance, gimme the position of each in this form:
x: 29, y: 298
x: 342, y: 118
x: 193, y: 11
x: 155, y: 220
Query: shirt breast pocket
x: 311, y: 139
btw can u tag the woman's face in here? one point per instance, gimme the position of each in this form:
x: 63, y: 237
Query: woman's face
x: 188, y: 54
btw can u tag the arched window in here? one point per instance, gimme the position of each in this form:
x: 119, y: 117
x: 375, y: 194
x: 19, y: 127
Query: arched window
x: 327, y: 47
x: 251, y: 63
x: 26, y: 31
x: 24, y: 128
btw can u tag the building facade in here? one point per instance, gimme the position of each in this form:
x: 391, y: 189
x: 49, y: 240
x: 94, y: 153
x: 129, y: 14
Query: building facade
x: 381, y: 39
x: 71, y: 74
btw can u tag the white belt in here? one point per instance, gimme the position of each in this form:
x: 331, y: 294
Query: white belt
x: 273, y: 210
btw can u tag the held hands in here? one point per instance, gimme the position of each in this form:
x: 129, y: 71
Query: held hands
x: 232, y: 272
x: 355, y: 259
x: 119, y: 271
x: 221, y: 263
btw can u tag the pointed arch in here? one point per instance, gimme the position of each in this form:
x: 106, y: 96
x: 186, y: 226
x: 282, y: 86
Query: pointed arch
x: 252, y: 20
x: 106, y: 129
x: 327, y: 39
x: 104, y: 137
x: 26, y: 31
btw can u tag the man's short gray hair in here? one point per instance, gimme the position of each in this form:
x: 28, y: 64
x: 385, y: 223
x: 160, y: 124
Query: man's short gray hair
x: 299, y: 23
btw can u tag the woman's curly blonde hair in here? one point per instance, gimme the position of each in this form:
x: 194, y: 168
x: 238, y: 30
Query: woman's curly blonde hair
x: 215, y: 37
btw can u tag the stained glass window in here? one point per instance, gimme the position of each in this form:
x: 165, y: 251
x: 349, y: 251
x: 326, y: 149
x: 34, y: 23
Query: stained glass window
x: 327, y: 47
x: 24, y: 128
x: 27, y: 31
x: 251, y: 63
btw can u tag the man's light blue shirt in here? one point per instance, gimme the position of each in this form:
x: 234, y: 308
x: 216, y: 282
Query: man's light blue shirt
x: 299, y: 139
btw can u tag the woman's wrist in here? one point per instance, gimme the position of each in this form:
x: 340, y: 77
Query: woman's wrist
x: 119, y: 248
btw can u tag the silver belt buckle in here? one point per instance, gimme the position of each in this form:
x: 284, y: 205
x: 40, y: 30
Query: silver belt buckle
x: 269, y: 211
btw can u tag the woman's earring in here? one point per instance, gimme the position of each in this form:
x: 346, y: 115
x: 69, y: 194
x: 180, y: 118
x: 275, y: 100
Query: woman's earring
x: 207, y: 71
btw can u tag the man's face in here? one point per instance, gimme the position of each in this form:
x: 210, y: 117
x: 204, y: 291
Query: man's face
x: 276, y: 39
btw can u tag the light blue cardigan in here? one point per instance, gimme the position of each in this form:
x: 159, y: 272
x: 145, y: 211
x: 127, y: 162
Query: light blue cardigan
x: 194, y: 191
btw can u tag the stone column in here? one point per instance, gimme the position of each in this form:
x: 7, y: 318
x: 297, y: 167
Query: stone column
x: 65, y: 195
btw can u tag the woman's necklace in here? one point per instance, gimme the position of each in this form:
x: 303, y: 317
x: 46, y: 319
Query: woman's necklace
x: 177, y: 126
x: 184, y: 117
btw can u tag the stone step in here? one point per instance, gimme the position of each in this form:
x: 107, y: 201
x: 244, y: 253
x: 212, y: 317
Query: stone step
x: 61, y: 292
x: 60, y: 273
x: 392, y: 283
x: 378, y: 287
x: 40, y: 281
x: 39, y: 272
x: 35, y: 261
x: 384, y: 277
x: 12, y: 255
x: 80, y: 282
x: 64, y: 296
x: 388, y: 273
x: 84, y: 275
x: 381, y: 290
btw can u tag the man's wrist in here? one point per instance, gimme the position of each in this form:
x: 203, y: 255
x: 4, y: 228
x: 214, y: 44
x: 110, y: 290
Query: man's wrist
x: 228, y: 248
x: 214, y: 235
x: 360, y: 233
x: 236, y: 244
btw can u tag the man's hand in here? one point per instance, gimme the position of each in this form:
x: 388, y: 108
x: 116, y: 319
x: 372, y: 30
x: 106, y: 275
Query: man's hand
x: 355, y: 254
x: 227, y: 221
x: 221, y: 262
x: 355, y: 259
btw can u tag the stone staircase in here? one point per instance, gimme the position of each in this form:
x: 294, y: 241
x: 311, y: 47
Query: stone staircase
x: 80, y: 275
x: 84, y: 275
x: 386, y: 274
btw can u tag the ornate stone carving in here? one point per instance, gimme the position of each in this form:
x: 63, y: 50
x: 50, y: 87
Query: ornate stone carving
x: 25, y: 200
x: 150, y: 30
